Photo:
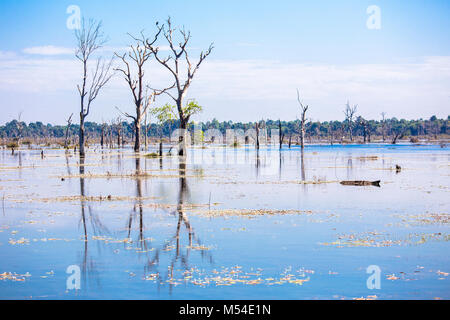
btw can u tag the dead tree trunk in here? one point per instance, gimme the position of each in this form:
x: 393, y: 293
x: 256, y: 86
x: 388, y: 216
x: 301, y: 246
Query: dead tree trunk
x: 118, y: 134
x: 383, y: 126
x: 349, y: 114
x: 139, y: 53
x: 178, y: 54
x: 303, y: 109
x: 257, y: 135
x: 66, y: 140
x: 281, y: 135
x: 102, y: 137
x: 90, y: 38
x: 81, y: 138
x: 361, y: 183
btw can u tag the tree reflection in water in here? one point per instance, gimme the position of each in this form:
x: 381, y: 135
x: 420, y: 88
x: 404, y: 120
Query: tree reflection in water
x: 178, y: 255
x: 302, y: 165
x: 87, y: 265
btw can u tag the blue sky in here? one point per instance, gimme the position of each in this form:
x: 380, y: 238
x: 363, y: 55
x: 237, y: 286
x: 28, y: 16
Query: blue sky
x: 264, y: 50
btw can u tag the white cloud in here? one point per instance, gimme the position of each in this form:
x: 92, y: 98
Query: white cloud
x: 401, y: 89
x: 7, y: 55
x: 245, y: 89
x: 49, y: 50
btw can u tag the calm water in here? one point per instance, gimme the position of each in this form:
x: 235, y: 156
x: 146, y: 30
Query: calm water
x: 229, y: 224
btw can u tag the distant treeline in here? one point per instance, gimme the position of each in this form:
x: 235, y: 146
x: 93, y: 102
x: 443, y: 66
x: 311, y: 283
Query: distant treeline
x: 314, y: 129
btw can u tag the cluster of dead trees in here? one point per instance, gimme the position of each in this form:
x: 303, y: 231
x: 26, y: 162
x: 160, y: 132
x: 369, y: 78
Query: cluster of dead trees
x: 120, y: 132
x: 178, y: 63
x: 182, y: 68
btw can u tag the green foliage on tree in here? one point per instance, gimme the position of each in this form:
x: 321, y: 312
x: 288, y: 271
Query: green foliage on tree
x: 192, y: 108
x: 165, y: 113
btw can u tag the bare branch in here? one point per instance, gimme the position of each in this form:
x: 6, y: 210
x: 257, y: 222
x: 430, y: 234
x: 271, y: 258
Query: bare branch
x: 138, y: 53
x: 126, y: 114
x: 100, y: 78
x: 303, y: 107
x: 89, y: 38
x: 172, y: 63
x: 164, y: 91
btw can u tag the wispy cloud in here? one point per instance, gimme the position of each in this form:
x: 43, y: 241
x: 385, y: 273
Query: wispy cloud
x: 7, y: 55
x: 238, y: 89
x: 49, y: 50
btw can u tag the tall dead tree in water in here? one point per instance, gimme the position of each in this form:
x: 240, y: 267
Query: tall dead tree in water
x: 383, y: 125
x: 139, y: 54
x: 19, y: 127
x: 69, y: 123
x: 349, y: 114
x: 178, y: 55
x: 257, y: 134
x: 303, y: 109
x: 102, y: 134
x: 119, y: 129
x: 90, y: 38
x: 281, y: 134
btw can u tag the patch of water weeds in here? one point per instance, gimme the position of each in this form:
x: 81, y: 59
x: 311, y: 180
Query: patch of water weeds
x: 423, y: 219
x: 383, y: 239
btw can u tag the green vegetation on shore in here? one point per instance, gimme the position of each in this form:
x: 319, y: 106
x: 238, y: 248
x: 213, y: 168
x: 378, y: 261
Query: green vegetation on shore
x: 326, y: 130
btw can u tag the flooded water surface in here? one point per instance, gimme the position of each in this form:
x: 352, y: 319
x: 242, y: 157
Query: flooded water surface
x: 226, y: 223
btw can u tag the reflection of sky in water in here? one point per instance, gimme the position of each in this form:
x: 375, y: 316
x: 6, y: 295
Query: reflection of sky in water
x: 182, y: 244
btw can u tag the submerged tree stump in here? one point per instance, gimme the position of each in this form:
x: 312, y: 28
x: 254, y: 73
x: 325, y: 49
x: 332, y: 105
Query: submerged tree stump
x: 361, y: 183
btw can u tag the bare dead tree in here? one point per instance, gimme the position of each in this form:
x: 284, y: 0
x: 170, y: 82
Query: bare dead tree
x: 102, y: 136
x: 349, y: 114
x: 257, y: 134
x: 118, y: 126
x: 281, y: 134
x: 69, y: 123
x: 141, y: 111
x: 303, y: 109
x: 139, y: 53
x: 383, y: 125
x: 172, y: 63
x: 19, y: 127
x: 90, y: 38
x: 296, y: 130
